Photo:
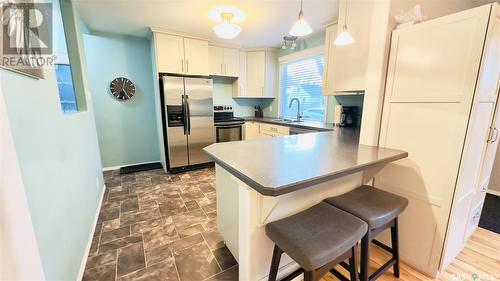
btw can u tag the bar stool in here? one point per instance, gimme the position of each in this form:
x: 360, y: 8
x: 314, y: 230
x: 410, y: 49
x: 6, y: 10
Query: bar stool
x: 317, y: 239
x: 380, y: 210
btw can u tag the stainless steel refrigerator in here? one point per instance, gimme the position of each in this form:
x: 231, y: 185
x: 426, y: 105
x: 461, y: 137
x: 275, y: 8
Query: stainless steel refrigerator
x: 188, y: 120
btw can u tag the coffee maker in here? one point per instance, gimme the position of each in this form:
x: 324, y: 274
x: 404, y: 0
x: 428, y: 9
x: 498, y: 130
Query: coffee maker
x: 348, y: 116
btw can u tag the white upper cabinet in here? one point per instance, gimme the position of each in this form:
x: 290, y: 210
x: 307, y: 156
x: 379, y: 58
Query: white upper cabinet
x: 224, y: 61
x: 169, y: 53
x: 231, y: 62
x: 196, y: 56
x: 346, y: 65
x: 216, y: 59
x: 256, y: 64
x: 181, y: 55
x: 261, y: 74
x: 240, y: 85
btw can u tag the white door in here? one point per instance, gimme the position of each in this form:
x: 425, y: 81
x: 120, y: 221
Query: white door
x: 231, y: 62
x: 169, y: 53
x: 196, y: 57
x: 256, y: 63
x: 216, y: 59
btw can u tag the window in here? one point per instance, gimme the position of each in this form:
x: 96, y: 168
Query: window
x: 64, y: 76
x: 303, y: 79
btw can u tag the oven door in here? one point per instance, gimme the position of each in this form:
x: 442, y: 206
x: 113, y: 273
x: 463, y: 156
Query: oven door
x: 227, y: 133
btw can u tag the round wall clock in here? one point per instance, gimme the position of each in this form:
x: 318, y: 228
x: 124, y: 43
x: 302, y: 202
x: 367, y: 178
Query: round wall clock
x: 122, y: 88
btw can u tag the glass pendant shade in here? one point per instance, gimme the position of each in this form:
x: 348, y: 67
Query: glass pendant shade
x: 301, y: 27
x: 344, y: 38
x: 226, y: 29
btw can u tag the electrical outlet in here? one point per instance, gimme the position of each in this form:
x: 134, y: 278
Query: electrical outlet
x: 270, y: 108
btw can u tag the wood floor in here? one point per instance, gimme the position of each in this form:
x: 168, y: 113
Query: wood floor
x: 480, y: 256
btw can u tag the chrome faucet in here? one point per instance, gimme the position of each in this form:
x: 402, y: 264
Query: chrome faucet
x: 298, y: 107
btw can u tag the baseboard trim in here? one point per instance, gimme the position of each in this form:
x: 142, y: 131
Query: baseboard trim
x: 89, y: 243
x: 104, y: 169
x: 493, y: 192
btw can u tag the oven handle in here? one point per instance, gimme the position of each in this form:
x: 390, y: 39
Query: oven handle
x: 229, y: 125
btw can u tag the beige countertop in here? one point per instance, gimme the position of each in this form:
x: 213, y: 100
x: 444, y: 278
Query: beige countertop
x: 280, y: 165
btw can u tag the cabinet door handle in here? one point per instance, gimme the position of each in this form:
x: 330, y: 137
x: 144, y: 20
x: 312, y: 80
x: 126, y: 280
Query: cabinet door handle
x: 182, y: 65
x: 496, y: 135
x: 221, y: 71
x: 262, y: 91
x: 225, y: 69
x: 187, y: 65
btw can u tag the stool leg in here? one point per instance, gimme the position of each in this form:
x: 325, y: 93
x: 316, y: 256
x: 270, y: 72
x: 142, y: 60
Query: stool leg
x: 365, y: 257
x: 275, y: 264
x: 395, y: 247
x: 353, y: 265
x: 309, y: 276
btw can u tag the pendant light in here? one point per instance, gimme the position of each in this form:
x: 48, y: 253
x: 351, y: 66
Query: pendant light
x: 226, y: 29
x: 301, y: 27
x: 344, y: 38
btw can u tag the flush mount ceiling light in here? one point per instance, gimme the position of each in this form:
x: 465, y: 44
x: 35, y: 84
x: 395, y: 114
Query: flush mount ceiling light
x: 344, y: 38
x: 301, y: 27
x: 226, y: 29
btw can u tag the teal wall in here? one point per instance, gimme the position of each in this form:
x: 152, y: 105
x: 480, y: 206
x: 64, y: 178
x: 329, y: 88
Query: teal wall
x: 60, y: 165
x: 126, y: 130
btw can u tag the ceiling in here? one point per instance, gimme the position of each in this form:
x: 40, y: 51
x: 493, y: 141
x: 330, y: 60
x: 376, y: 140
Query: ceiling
x: 266, y: 22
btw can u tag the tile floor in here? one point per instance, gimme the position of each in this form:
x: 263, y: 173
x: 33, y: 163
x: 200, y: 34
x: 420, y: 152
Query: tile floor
x: 155, y: 226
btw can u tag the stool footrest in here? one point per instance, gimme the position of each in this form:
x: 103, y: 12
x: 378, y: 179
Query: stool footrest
x: 345, y: 265
x: 292, y: 275
x: 382, y: 245
x: 338, y: 275
x: 382, y: 269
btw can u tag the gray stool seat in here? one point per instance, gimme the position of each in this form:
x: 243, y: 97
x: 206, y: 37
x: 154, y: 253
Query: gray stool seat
x: 375, y: 206
x: 316, y: 236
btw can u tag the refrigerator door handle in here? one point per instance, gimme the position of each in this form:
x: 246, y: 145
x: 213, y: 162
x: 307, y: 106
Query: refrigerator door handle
x: 185, y: 114
x: 188, y: 117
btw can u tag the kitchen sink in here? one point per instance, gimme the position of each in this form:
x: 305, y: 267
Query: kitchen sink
x: 284, y: 120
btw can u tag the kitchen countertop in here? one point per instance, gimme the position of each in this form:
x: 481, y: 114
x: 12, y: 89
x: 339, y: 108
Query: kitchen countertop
x: 318, y: 126
x: 276, y: 166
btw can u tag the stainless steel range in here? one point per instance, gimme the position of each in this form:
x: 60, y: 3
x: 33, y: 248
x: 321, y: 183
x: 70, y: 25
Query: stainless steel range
x: 227, y: 127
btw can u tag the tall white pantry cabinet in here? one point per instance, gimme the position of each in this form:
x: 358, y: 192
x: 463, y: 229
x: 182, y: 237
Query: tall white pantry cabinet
x: 441, y: 105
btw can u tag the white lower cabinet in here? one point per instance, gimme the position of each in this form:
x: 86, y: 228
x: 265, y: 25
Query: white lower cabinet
x: 257, y: 130
x: 252, y: 130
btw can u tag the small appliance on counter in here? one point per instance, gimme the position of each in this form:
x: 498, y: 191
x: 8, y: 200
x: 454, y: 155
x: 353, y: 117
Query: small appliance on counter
x: 227, y: 127
x: 348, y: 116
x: 258, y: 112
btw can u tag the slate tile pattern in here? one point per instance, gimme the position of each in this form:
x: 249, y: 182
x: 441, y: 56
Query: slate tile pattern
x: 156, y: 226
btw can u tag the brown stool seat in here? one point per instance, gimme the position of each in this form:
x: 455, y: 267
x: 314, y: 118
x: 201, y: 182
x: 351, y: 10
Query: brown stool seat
x: 316, y: 236
x: 375, y: 206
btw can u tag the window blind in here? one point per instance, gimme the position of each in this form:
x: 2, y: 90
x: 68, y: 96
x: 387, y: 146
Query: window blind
x: 303, y: 79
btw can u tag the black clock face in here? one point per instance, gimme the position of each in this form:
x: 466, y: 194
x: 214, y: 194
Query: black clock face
x: 122, y: 88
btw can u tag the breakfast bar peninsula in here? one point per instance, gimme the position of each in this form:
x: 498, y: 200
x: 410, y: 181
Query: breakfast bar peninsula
x: 260, y: 181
